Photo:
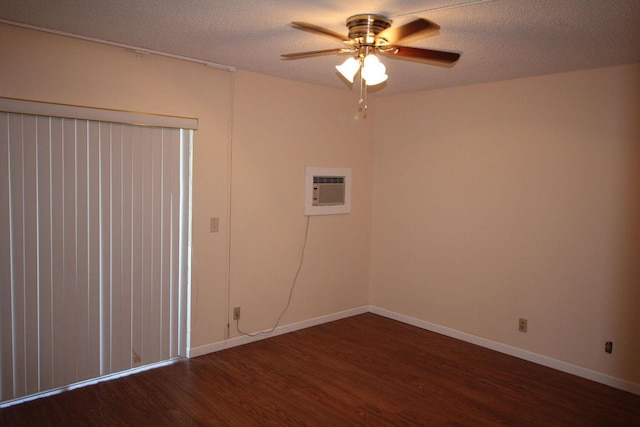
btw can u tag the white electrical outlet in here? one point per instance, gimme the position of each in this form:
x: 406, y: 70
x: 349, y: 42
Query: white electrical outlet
x: 522, y: 325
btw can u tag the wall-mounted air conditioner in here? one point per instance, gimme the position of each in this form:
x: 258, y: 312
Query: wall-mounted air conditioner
x: 327, y: 191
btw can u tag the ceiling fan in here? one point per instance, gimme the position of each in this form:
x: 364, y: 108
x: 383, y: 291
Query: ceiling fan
x: 369, y: 35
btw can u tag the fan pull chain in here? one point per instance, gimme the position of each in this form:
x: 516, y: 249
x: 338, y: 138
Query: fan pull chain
x: 363, y: 94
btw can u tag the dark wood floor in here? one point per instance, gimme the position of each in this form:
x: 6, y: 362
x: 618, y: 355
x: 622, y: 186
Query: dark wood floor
x: 364, y: 370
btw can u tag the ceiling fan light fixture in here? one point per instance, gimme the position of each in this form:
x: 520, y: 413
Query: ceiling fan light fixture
x: 373, y: 71
x: 370, y: 34
x: 349, y: 68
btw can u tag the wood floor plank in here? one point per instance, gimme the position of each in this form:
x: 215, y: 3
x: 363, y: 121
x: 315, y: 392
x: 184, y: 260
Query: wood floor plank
x: 363, y: 370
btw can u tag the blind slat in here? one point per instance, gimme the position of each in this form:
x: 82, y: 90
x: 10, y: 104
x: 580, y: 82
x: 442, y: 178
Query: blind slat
x: 44, y: 253
x: 6, y: 338
x: 16, y: 238
x: 31, y: 288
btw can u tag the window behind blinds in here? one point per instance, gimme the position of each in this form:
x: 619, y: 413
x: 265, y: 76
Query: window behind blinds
x: 94, y: 231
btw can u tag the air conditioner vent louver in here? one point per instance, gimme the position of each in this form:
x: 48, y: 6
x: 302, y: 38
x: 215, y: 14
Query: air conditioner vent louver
x: 328, y: 179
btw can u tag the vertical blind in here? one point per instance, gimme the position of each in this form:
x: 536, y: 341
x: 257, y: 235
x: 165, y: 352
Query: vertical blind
x: 94, y: 229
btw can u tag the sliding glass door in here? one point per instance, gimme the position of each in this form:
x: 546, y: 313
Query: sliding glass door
x: 94, y: 232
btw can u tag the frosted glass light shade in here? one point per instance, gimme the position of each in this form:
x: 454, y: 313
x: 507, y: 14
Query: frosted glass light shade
x: 349, y: 68
x: 374, y: 72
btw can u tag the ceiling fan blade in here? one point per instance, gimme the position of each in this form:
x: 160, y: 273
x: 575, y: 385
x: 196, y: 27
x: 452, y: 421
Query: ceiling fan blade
x: 311, y: 28
x: 413, y: 30
x: 436, y: 57
x: 299, y: 55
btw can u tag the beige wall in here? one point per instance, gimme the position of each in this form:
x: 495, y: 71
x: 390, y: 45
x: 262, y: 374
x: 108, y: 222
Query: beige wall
x: 516, y: 199
x: 278, y: 128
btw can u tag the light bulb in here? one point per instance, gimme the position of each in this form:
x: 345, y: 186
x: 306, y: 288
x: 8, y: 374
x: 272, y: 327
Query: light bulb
x: 349, y: 68
x: 374, y: 71
x: 371, y: 60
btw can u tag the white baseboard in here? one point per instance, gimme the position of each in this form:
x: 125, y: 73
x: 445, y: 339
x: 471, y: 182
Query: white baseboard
x: 443, y: 330
x: 236, y: 341
x: 512, y: 351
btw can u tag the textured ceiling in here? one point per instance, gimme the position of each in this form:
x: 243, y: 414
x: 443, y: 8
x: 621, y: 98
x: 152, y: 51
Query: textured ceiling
x: 498, y: 39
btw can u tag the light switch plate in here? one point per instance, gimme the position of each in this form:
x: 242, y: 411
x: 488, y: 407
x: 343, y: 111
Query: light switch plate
x: 214, y: 224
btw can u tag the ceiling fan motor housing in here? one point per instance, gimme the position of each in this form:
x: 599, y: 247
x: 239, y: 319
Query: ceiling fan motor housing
x: 365, y: 27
